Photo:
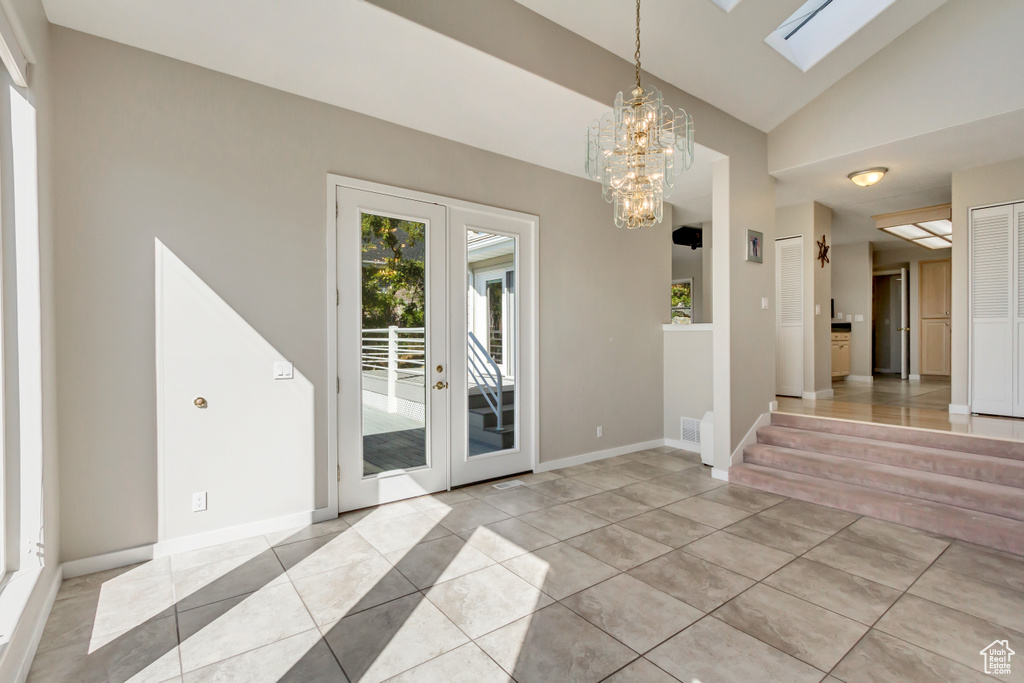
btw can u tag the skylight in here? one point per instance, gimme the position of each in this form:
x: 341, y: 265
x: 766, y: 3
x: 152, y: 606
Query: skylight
x: 727, y: 5
x: 819, y: 27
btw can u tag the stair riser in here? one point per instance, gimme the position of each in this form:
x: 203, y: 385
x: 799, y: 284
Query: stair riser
x: 479, y: 401
x: 1007, y: 535
x: 489, y: 419
x: 1003, y: 471
x: 959, y: 493
x: 947, y: 441
x: 493, y: 439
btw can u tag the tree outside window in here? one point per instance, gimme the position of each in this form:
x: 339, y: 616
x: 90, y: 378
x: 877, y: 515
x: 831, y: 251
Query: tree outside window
x: 682, y: 302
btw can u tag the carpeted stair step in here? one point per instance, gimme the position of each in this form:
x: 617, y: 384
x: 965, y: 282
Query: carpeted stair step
x: 960, y: 443
x: 995, y: 470
x: 993, y: 531
x: 994, y: 499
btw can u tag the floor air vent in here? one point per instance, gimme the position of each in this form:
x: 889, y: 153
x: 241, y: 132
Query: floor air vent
x: 508, y: 484
x: 689, y: 431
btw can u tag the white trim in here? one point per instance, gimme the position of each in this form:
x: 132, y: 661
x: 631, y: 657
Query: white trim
x: 773, y: 406
x: 721, y: 475
x: 692, y: 327
x: 815, y: 395
x: 37, y: 625
x: 11, y: 53
x: 957, y: 409
x: 750, y: 438
x: 144, y: 553
x: 584, y: 458
x: 860, y: 378
x: 682, y: 445
x: 100, y: 563
x: 916, y: 377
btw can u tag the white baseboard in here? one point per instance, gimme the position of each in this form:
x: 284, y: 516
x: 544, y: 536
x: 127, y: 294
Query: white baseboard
x: 123, y: 558
x: 815, y: 395
x: 751, y: 438
x: 722, y: 475
x: 682, y: 445
x: 917, y: 377
x: 860, y: 378
x: 957, y: 409
x: 584, y: 458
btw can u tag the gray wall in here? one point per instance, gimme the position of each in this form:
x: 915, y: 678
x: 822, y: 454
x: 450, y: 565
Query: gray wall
x: 689, y: 380
x: 992, y: 184
x: 230, y: 176
x: 851, y: 288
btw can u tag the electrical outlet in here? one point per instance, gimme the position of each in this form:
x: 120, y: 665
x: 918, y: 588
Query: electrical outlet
x: 817, y: 309
x: 199, y: 501
x: 600, y: 432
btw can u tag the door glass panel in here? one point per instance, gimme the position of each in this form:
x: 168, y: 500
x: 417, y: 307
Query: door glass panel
x: 394, y: 349
x: 491, y: 342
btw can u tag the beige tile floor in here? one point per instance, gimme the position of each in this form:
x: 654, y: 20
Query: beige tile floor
x: 639, y: 568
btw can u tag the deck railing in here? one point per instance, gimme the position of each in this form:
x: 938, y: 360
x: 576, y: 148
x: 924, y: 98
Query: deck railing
x: 487, y: 375
x: 400, y: 352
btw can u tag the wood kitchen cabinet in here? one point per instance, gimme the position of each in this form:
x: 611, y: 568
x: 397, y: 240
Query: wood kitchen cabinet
x: 840, y: 354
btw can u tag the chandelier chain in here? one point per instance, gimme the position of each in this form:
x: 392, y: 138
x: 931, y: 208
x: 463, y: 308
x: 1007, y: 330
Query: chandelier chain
x: 637, y: 55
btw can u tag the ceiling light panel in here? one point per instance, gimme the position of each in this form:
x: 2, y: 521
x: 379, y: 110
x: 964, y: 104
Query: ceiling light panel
x: 938, y: 227
x: 820, y: 26
x: 908, y: 232
x: 933, y: 243
x: 727, y: 5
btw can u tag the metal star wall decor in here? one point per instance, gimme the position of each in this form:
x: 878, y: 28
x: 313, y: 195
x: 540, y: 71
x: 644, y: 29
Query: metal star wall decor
x: 823, y: 252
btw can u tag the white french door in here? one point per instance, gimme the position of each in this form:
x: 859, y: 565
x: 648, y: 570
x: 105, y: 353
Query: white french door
x: 425, y: 403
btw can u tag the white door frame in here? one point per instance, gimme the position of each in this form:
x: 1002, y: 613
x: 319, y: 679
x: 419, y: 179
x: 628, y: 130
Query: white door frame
x: 529, y: 343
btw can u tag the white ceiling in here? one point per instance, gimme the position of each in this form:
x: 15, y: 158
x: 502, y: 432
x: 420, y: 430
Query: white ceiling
x: 920, y: 174
x: 355, y: 55
x: 722, y: 57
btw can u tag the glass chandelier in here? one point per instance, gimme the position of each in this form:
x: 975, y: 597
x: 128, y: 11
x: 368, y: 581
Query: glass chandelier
x: 637, y: 150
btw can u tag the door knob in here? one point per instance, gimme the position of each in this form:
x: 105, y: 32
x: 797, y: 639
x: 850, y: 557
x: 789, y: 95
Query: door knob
x: 200, y: 402
x: 441, y: 385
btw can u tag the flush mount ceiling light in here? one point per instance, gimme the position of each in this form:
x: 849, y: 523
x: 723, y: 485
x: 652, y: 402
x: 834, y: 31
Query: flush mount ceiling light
x: 868, y: 177
x: 930, y: 227
x: 637, y: 150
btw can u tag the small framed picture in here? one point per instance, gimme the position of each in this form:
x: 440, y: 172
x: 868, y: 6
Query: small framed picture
x: 755, y: 246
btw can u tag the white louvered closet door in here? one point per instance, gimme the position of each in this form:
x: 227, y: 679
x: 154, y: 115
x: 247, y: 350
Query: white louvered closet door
x: 1018, y: 310
x: 789, y: 294
x: 994, y: 282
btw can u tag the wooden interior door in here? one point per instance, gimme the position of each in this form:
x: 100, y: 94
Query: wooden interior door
x: 936, y: 303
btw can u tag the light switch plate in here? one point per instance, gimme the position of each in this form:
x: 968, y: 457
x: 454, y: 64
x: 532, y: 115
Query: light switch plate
x: 283, y: 370
x: 849, y: 318
x: 764, y: 303
x: 858, y: 318
x: 817, y: 309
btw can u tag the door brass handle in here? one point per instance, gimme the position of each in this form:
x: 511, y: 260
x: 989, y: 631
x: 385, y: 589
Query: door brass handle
x: 441, y: 385
x: 200, y: 402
